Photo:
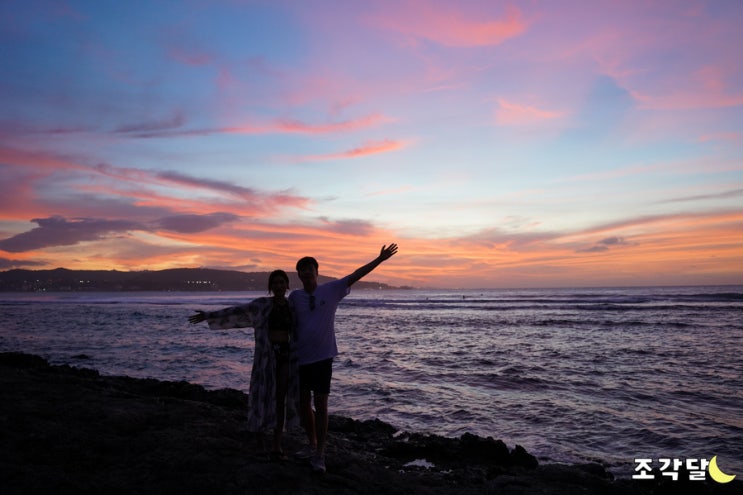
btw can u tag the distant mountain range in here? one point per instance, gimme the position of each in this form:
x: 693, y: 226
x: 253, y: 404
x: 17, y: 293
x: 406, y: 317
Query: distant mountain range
x: 178, y: 279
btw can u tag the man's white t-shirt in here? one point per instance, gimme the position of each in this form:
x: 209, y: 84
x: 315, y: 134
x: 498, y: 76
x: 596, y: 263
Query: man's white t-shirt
x: 316, y: 327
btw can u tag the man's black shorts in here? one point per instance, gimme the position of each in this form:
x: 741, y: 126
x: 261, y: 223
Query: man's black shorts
x: 316, y: 376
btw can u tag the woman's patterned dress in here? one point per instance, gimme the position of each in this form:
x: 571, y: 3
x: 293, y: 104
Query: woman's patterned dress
x: 262, y: 394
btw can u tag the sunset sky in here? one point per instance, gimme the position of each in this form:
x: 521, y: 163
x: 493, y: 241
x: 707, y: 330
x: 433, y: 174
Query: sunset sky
x: 533, y: 143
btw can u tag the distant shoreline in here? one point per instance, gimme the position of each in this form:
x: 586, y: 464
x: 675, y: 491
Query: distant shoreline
x: 209, y: 280
x: 171, y: 280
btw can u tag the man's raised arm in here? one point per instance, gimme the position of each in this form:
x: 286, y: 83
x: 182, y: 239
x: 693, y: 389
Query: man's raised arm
x: 386, y: 253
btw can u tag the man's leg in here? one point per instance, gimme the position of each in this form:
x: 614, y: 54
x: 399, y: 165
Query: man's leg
x: 321, y: 422
x: 307, y: 416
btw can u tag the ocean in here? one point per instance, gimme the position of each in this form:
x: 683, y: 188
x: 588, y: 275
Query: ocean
x: 573, y: 375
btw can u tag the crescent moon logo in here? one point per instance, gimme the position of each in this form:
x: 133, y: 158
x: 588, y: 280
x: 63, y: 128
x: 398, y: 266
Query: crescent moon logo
x: 718, y: 475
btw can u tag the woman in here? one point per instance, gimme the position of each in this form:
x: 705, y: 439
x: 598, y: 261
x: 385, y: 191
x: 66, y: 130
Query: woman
x: 274, y: 378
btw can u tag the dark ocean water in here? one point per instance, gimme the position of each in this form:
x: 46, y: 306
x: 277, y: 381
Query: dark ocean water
x: 572, y: 375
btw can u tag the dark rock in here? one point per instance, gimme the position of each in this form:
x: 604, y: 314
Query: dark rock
x: 21, y: 360
x: 485, y: 450
x: 367, y: 429
x: 67, y: 430
x: 82, y: 372
x: 520, y: 457
x: 595, y: 469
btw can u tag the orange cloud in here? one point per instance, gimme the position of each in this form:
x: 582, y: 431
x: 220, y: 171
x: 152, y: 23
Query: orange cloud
x: 164, y: 229
x: 665, y: 250
x: 106, y: 201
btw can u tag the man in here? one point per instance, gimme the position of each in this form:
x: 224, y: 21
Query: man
x: 315, y: 306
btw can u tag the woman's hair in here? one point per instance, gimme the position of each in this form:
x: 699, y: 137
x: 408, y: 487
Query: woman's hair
x: 277, y: 273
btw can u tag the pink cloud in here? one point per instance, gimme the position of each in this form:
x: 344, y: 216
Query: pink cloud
x: 37, y: 159
x: 297, y: 126
x: 122, y: 192
x: 732, y: 137
x: 687, y: 99
x: 513, y: 114
x: 366, y: 149
x: 671, y: 168
x: 129, y: 183
x: 191, y: 57
x: 692, y: 81
x: 373, y: 148
x: 446, y: 24
x: 169, y: 128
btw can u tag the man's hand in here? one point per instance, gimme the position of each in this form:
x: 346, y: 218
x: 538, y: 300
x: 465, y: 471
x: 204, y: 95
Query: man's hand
x: 387, y: 252
x: 198, y: 317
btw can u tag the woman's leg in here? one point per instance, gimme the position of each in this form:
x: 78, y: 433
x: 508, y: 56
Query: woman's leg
x: 282, y: 386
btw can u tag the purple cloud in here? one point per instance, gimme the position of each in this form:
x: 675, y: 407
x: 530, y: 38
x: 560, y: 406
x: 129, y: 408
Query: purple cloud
x: 350, y: 227
x: 593, y: 249
x: 6, y: 263
x: 239, y: 191
x: 731, y: 194
x: 283, y: 198
x: 191, y: 224
x: 174, y: 122
x: 493, y: 237
x: 604, y: 244
x: 58, y: 231
x: 612, y: 241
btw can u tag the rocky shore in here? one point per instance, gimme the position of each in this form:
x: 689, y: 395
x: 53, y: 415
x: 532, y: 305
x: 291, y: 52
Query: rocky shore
x: 71, y: 430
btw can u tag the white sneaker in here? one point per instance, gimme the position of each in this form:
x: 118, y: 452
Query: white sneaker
x: 305, y: 453
x: 318, y: 464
